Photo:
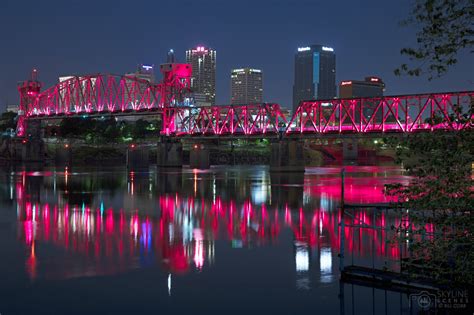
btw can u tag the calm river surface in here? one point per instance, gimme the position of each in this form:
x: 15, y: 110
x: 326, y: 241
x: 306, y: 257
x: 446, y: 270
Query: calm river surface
x: 230, y: 240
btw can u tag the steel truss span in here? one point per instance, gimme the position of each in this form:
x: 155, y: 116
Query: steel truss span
x: 96, y: 93
x: 409, y: 113
x: 105, y: 94
x: 253, y: 119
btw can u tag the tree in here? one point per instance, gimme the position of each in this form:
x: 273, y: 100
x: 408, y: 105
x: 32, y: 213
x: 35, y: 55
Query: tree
x: 446, y: 27
x: 438, y: 203
x: 7, y: 121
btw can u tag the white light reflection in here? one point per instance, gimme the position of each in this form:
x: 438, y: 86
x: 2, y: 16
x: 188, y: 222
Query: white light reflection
x: 302, y: 265
x: 302, y: 258
x: 325, y: 264
x: 169, y: 284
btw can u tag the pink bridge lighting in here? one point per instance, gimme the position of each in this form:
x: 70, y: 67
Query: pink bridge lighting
x: 111, y: 94
x: 405, y: 113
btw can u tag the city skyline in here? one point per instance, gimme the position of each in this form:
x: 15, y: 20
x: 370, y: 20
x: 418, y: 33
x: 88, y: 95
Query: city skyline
x: 269, y: 47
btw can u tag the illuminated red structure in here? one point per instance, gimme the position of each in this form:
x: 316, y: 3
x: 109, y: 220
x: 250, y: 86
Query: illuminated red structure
x: 102, y: 94
x: 253, y: 119
x: 406, y: 113
x: 29, y: 91
x: 111, y: 94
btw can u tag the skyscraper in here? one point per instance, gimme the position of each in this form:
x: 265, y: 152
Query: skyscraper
x: 203, y: 79
x: 315, y: 74
x: 246, y: 86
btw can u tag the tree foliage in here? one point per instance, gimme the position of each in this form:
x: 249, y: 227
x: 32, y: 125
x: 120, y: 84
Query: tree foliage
x: 446, y: 27
x: 439, y: 201
x: 106, y: 130
x: 7, y: 121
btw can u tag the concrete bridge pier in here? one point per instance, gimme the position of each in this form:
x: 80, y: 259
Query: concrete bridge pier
x: 199, y: 156
x: 138, y: 157
x: 63, y: 155
x: 169, y: 154
x: 28, y: 150
x: 31, y: 148
x: 287, y: 156
x: 349, y: 149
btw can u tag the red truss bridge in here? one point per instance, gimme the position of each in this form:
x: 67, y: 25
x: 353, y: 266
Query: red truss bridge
x: 245, y: 120
x: 402, y: 113
x: 102, y: 94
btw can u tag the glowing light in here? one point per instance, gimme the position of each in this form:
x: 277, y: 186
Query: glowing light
x: 374, y: 79
x: 300, y: 49
x: 346, y: 82
x: 325, y: 265
x: 198, y: 249
x: 302, y: 257
x: 327, y: 48
x: 146, y: 67
x: 169, y: 284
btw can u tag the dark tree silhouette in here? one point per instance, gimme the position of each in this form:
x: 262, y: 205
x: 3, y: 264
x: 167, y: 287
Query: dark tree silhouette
x: 446, y: 27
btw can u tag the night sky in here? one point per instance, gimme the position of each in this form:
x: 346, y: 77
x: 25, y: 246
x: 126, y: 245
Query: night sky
x: 83, y: 37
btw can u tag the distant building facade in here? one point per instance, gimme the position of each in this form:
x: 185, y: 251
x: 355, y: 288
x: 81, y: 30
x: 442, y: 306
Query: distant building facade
x: 170, y: 58
x: 370, y: 87
x: 246, y: 86
x: 203, y: 79
x: 12, y: 108
x: 200, y: 100
x: 144, y: 72
x: 315, y: 74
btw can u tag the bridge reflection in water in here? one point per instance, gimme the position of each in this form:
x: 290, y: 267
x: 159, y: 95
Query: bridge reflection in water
x: 174, y: 219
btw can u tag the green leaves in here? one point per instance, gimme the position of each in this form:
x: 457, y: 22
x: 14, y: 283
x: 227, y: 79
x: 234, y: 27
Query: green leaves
x: 446, y: 28
x: 440, y: 201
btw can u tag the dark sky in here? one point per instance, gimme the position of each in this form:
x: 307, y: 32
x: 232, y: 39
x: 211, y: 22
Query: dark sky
x: 91, y: 36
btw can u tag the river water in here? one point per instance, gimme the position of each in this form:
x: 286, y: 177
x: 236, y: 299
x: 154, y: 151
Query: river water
x: 230, y: 240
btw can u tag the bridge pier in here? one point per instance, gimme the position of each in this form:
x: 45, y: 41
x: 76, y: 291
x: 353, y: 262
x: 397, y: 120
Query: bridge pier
x: 199, y: 157
x: 63, y: 155
x: 169, y: 154
x: 287, y: 156
x: 349, y: 149
x: 30, y: 148
x: 138, y: 157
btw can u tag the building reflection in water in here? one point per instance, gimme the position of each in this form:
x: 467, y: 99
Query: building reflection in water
x: 108, y: 224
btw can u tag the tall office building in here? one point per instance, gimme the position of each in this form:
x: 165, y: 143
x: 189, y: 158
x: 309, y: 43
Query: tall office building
x: 246, y: 86
x: 315, y: 74
x: 203, y: 79
x: 370, y: 87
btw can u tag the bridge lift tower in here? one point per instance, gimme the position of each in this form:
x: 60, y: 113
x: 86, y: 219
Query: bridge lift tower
x: 29, y: 90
